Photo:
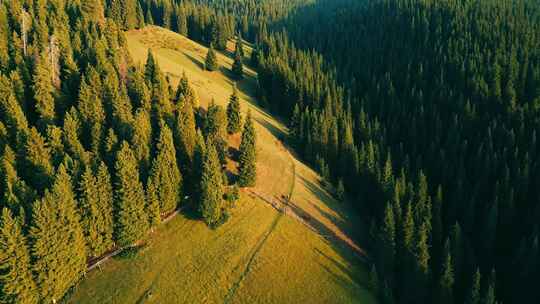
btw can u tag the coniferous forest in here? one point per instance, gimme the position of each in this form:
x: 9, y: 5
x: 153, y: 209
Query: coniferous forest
x: 424, y: 113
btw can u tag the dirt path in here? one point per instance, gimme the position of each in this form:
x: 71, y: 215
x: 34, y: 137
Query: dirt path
x: 289, y: 208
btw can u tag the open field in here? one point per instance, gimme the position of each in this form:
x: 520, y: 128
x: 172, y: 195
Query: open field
x: 260, y: 255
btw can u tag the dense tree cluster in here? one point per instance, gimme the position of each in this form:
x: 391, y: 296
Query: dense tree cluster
x: 214, y: 22
x: 94, y: 149
x: 428, y: 111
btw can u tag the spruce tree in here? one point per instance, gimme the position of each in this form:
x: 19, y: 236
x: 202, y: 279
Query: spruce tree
x: 234, y: 118
x: 37, y: 156
x: 58, y: 246
x: 92, y: 114
x: 152, y: 204
x: 490, y: 296
x: 474, y: 295
x: 446, y: 281
x: 211, y: 187
x: 340, y: 190
x: 141, y: 140
x: 43, y: 93
x: 140, y: 16
x: 239, y: 46
x: 198, y: 166
x: 93, y: 10
x: 186, y: 91
x: 386, y: 245
x: 14, y: 192
x: 215, y: 129
x: 165, y: 176
x: 211, y: 62
x: 97, y: 210
x: 131, y: 222
x: 248, y: 155
x: 186, y: 135
x: 238, y: 66
x: 17, y: 284
x: 422, y: 262
x: 181, y: 22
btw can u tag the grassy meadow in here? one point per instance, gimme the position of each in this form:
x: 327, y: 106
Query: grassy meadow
x: 260, y: 255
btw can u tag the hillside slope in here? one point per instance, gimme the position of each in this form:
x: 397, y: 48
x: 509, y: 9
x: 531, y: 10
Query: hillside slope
x: 299, y: 253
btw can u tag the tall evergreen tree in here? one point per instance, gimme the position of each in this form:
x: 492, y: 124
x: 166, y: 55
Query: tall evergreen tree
x: 474, y: 296
x: 186, y: 135
x: 37, y: 155
x: 238, y: 65
x: 58, y: 246
x: 186, y: 91
x: 181, y: 22
x: 43, y: 93
x: 96, y: 200
x: 211, y: 187
x: 248, y: 155
x: 234, y: 118
x: 211, y: 63
x: 17, y: 285
x: 165, y: 175
x: 93, y: 10
x: 446, y: 281
x: 386, y: 245
x: 131, y: 221
x: 239, y: 46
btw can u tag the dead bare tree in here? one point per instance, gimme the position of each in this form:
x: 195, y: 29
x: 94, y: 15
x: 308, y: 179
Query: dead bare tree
x: 54, y: 55
x: 24, y: 30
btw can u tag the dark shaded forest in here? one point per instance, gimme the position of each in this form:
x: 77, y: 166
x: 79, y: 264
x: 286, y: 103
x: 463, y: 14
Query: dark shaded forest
x: 428, y: 113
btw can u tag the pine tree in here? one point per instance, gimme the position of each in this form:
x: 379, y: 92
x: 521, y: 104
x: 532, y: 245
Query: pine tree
x: 92, y: 114
x: 386, y: 245
x: 422, y: 262
x: 58, y: 249
x: 238, y: 66
x: 93, y: 10
x: 374, y: 280
x: 140, y: 16
x: 446, y: 281
x: 181, y: 25
x: 14, y: 193
x: 211, y: 187
x: 234, y: 118
x: 149, y: 19
x: 239, y: 46
x: 43, y: 93
x: 340, y: 191
x: 37, y: 156
x: 131, y: 221
x: 248, y: 155
x: 215, y: 129
x: 17, y: 285
x: 211, y: 63
x: 185, y: 135
x: 474, y: 294
x: 97, y: 210
x: 186, y: 91
x: 165, y: 176
x: 489, y: 297
x: 152, y: 204
x: 141, y: 141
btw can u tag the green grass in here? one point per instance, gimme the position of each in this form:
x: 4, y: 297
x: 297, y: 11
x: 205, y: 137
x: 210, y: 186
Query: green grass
x: 259, y: 255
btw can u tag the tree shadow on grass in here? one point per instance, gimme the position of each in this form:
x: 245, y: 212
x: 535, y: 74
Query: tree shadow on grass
x: 347, y: 275
x: 347, y: 219
x: 196, y: 61
x: 276, y: 132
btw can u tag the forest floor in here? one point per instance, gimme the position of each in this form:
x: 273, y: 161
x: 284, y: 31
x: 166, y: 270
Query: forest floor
x: 272, y: 249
